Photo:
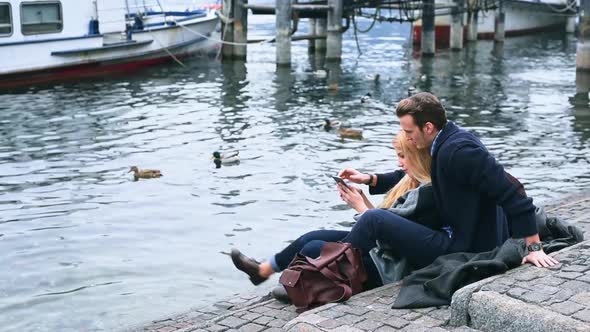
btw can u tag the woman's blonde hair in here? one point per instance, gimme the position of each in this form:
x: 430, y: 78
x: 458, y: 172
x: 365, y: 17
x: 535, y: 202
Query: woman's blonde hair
x: 421, y: 162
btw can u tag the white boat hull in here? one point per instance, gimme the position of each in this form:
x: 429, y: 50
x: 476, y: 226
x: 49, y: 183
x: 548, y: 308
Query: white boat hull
x: 31, y: 62
x: 521, y: 18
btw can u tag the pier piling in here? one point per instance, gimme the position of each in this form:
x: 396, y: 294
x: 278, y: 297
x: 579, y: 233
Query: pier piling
x: 334, y: 31
x: 582, y: 87
x: 472, y: 18
x: 499, y: 31
x: 283, y: 32
x: 227, y: 29
x: 570, y: 25
x: 312, y: 30
x: 320, y: 30
x: 583, y: 47
x: 428, y: 40
x: 240, y: 51
x: 456, y: 42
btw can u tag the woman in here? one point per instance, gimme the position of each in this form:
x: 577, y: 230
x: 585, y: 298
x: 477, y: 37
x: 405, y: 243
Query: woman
x: 402, y: 199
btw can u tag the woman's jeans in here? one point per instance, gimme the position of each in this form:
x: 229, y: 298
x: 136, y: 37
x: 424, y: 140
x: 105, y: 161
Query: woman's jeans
x: 312, y: 242
x: 419, y: 244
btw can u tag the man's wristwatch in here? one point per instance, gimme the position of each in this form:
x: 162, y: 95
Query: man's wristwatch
x: 535, y: 246
x: 368, y: 183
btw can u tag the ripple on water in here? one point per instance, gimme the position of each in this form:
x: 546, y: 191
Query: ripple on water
x: 88, y: 248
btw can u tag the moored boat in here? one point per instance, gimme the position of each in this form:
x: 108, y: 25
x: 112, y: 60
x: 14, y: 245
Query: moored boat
x: 51, y: 40
x: 522, y: 17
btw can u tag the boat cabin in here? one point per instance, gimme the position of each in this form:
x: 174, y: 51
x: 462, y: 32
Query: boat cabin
x: 37, y: 20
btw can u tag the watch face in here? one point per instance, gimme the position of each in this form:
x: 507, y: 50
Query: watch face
x: 535, y: 247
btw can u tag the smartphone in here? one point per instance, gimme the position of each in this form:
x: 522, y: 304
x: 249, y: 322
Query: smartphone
x: 340, y: 180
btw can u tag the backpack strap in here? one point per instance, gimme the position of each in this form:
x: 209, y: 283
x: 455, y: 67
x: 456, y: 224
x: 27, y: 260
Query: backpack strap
x: 328, y: 273
x: 346, y: 294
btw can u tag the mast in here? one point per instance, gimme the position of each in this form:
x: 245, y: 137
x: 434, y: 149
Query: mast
x: 95, y: 5
x: 127, y: 6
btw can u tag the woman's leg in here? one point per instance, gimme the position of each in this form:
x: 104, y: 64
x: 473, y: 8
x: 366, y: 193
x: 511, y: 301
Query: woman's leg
x: 419, y: 244
x: 280, y: 261
x: 259, y: 272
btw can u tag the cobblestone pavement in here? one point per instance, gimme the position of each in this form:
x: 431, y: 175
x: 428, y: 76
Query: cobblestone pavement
x: 526, y: 298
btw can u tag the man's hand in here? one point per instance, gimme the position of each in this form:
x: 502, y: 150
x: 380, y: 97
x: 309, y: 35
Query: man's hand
x: 353, y: 197
x: 354, y: 176
x: 539, y: 259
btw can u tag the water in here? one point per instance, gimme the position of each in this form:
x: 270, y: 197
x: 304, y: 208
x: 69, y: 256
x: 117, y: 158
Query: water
x: 86, y: 248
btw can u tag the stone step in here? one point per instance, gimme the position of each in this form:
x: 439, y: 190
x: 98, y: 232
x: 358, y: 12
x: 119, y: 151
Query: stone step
x: 491, y: 311
x: 530, y: 298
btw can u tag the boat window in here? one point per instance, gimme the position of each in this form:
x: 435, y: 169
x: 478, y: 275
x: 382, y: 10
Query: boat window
x: 41, y: 17
x: 5, y: 20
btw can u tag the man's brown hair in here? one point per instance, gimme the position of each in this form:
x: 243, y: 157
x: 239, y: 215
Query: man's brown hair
x: 423, y: 107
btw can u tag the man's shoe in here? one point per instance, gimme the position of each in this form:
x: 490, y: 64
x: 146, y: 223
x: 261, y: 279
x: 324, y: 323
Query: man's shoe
x: 247, y: 265
x: 280, y: 294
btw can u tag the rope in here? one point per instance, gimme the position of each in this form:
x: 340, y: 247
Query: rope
x: 569, y: 7
x: 168, y: 51
x: 165, y: 48
x: 569, y: 204
x: 356, y: 37
x: 219, y: 40
x: 377, y: 11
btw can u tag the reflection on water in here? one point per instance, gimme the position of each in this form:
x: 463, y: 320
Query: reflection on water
x: 87, y: 248
x: 580, y: 105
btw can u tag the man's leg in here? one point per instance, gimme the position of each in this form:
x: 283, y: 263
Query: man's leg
x: 419, y: 244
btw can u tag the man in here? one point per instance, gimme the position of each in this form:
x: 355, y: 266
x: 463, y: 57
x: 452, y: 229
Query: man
x: 480, y: 203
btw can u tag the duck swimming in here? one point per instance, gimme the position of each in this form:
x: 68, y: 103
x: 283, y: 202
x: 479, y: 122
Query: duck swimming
x: 225, y: 158
x: 350, y: 133
x: 330, y: 124
x: 333, y: 87
x: 375, y: 78
x: 320, y: 73
x: 145, y: 173
x: 366, y: 98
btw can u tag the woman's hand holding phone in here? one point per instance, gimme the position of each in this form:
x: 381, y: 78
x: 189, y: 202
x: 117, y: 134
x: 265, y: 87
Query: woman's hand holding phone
x: 339, y: 181
x: 353, y: 175
x: 353, y: 197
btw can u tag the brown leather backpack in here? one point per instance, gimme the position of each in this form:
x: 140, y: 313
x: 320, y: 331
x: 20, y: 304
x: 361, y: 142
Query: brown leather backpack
x: 335, y: 276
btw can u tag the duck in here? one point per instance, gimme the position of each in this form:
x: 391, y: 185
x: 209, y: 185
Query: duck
x: 366, y: 98
x: 225, y: 158
x: 333, y: 87
x: 350, y: 133
x: 330, y: 124
x: 375, y: 78
x: 144, y: 173
x: 579, y: 99
x: 320, y: 73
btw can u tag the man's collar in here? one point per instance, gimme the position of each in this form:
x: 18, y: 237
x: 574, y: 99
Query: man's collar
x: 449, y: 129
x: 434, y: 141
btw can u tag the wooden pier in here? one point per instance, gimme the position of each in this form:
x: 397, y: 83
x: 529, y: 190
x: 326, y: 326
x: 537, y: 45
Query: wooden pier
x: 329, y: 19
